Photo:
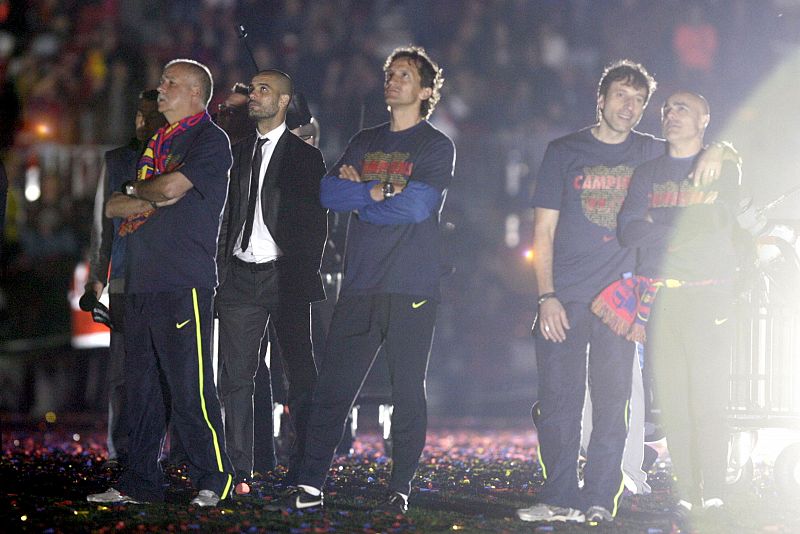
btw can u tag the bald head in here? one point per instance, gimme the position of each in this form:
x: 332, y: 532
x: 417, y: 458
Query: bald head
x: 280, y: 81
x: 684, y: 118
x: 199, y: 74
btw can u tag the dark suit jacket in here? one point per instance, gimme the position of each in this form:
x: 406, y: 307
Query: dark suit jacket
x: 290, y: 207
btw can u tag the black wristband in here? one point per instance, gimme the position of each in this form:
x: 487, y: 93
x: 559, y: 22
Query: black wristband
x: 546, y: 296
x: 153, y: 204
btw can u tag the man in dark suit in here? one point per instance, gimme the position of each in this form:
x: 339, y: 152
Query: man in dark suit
x: 270, y: 247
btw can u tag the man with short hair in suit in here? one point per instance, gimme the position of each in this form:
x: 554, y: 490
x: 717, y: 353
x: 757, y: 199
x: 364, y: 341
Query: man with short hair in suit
x: 270, y: 248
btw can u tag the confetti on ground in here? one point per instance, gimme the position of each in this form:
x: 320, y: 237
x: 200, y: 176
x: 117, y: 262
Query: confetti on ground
x: 469, y: 480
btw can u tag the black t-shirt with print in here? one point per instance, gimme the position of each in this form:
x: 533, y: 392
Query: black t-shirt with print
x: 397, y: 258
x: 586, y: 180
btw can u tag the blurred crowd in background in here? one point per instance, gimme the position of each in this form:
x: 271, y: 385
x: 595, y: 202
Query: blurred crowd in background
x: 518, y: 74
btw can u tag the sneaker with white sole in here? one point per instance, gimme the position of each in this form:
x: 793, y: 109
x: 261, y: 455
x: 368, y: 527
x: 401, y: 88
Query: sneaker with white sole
x: 598, y: 514
x: 549, y: 512
x: 297, y: 499
x: 394, y: 502
x: 206, y: 498
x: 112, y: 496
x: 713, y: 503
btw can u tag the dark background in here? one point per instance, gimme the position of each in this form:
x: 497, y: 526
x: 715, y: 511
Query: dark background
x: 518, y: 74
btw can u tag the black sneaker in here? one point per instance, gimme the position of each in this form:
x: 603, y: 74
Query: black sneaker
x: 394, y: 502
x: 298, y: 499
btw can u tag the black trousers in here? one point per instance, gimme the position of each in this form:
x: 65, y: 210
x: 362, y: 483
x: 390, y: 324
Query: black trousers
x: 117, y: 416
x: 403, y: 325
x: 170, y: 333
x: 247, y: 300
x: 689, y: 342
x: 562, y: 371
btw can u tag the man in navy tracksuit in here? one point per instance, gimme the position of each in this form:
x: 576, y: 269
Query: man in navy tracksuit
x: 182, y: 178
x: 393, y: 178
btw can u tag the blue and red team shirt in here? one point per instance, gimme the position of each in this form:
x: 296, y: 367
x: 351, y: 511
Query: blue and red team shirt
x: 176, y: 247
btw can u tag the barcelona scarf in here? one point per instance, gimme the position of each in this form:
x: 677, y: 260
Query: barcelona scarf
x: 157, y: 159
x: 625, y: 305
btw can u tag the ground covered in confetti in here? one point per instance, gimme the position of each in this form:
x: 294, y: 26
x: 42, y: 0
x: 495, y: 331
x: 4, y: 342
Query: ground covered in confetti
x: 471, y: 479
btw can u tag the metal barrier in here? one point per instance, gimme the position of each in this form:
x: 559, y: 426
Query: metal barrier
x: 765, y: 367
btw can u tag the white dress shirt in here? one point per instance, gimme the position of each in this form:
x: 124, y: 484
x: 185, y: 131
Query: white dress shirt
x: 262, y: 247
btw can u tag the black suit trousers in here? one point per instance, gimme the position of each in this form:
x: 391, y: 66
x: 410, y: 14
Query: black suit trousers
x: 246, y: 301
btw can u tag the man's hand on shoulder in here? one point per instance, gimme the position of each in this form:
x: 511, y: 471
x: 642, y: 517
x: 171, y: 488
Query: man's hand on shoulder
x: 708, y: 167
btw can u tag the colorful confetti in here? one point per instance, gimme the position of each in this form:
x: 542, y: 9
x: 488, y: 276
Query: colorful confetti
x: 469, y: 480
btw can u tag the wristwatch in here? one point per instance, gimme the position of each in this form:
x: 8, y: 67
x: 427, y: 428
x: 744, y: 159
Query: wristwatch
x: 388, y: 190
x: 129, y: 188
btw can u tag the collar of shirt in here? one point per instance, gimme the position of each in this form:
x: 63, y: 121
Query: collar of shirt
x: 274, y: 134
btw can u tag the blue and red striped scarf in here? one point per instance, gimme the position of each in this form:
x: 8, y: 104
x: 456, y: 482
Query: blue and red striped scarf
x: 157, y: 160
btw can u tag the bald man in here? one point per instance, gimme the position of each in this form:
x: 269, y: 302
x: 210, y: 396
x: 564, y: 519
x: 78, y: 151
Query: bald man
x: 269, y: 253
x: 687, y: 261
x: 170, y: 212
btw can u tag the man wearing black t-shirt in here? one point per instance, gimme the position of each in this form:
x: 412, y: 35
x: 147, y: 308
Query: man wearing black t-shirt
x: 581, y: 185
x: 687, y: 257
x: 173, y: 213
x: 393, y: 179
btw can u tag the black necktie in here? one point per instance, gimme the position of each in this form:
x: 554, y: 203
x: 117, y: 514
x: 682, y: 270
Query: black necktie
x: 255, y: 171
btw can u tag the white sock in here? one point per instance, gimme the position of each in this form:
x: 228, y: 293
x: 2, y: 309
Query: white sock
x: 685, y: 504
x: 311, y: 490
x: 714, y: 502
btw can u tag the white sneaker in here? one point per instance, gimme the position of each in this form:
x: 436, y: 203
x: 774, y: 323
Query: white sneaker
x: 112, y: 495
x: 714, y: 502
x: 205, y: 498
x: 548, y: 512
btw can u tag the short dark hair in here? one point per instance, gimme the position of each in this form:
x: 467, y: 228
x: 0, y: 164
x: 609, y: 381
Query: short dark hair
x: 151, y: 95
x: 200, y: 72
x: 629, y: 72
x: 280, y: 74
x: 429, y: 72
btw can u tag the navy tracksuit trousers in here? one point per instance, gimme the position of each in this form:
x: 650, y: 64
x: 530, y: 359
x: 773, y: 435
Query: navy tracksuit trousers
x: 403, y: 325
x: 689, y: 339
x: 170, y: 333
x: 562, y: 371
